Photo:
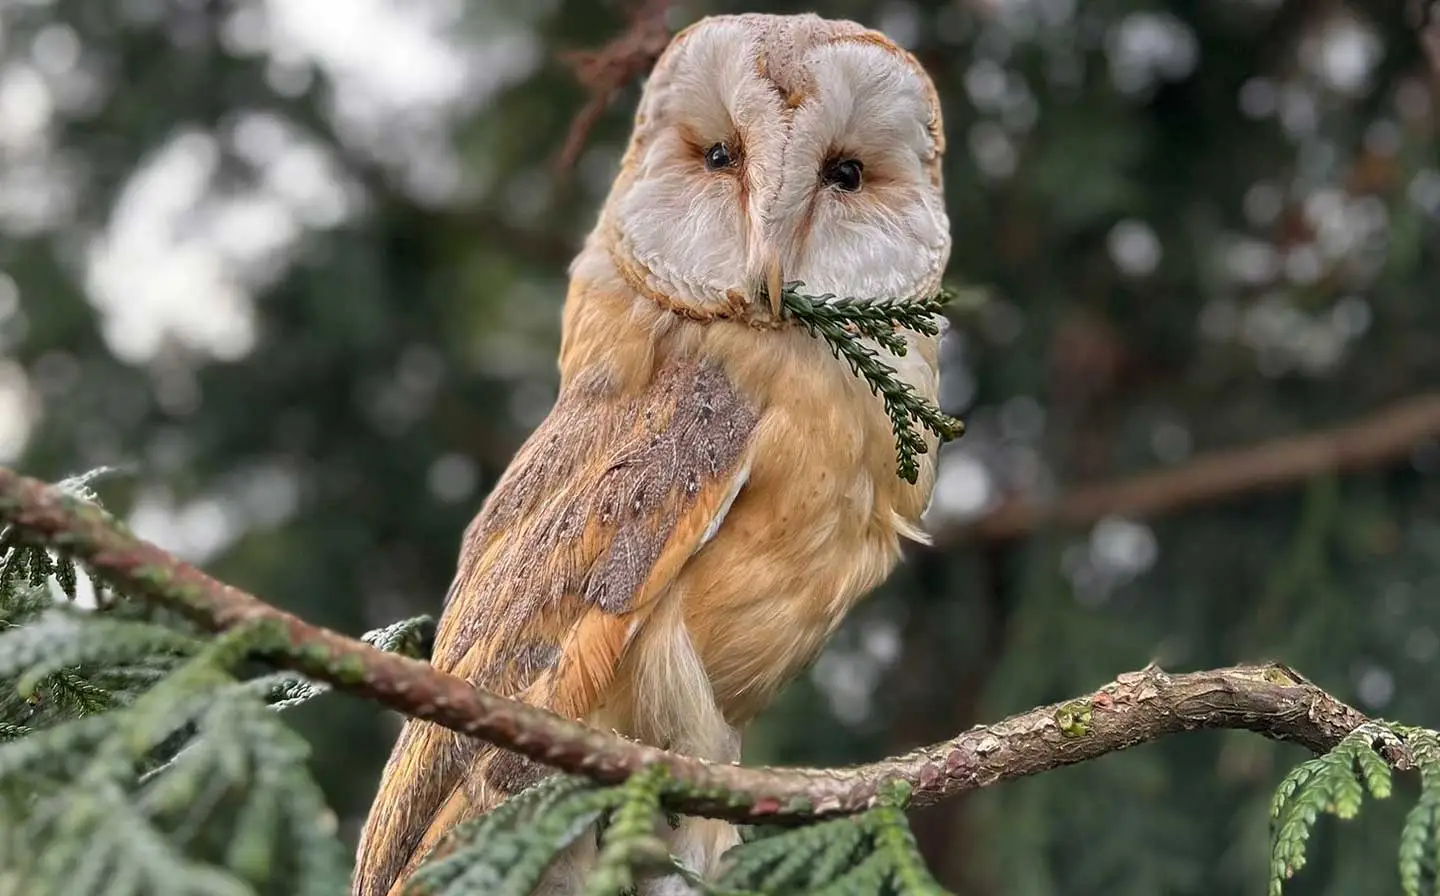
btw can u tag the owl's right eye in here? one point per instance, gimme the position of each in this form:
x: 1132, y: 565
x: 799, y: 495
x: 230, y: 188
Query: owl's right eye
x: 718, y: 157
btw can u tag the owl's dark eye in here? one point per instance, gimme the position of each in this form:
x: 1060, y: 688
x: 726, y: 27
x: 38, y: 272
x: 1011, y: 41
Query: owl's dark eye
x: 717, y: 157
x: 843, y: 174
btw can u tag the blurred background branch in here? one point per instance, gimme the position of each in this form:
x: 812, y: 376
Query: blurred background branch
x: 1389, y: 436
x: 1427, y: 23
x: 604, y: 72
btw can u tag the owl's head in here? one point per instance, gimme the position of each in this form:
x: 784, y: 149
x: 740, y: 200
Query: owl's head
x: 770, y: 148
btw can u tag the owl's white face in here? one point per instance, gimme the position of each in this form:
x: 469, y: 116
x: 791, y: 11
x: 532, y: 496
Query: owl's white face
x: 768, y: 149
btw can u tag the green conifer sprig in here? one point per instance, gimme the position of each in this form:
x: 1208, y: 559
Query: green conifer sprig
x: 509, y: 857
x: 136, y: 757
x: 1337, y: 782
x: 874, y: 852
x: 135, y: 760
x: 1420, y: 834
x: 286, y: 690
x: 629, y: 844
x: 506, y: 850
x: 33, y: 564
x: 845, y: 322
x: 467, y: 854
x: 241, y: 771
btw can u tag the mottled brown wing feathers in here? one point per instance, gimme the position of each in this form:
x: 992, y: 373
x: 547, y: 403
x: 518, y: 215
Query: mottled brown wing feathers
x: 595, y: 516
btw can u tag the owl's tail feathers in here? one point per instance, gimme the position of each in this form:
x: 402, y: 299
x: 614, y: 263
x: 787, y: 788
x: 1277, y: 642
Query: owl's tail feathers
x: 493, y: 776
x: 436, y: 778
x: 424, y: 767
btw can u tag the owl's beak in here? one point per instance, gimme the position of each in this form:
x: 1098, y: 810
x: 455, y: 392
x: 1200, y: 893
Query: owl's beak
x: 770, y: 277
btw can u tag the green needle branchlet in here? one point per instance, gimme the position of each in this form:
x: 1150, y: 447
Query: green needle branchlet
x: 873, y: 852
x: 629, y: 843
x: 138, y: 756
x: 507, y: 851
x: 845, y: 323
x: 1337, y: 783
x: 135, y: 759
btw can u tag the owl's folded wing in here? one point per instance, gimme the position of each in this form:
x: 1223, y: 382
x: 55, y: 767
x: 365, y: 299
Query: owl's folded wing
x: 598, y: 512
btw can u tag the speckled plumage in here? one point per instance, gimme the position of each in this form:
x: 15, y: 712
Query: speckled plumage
x: 708, y: 498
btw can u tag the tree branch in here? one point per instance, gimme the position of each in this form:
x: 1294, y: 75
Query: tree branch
x: 1134, y: 709
x: 1425, y: 14
x: 1373, y: 441
x: 606, y: 71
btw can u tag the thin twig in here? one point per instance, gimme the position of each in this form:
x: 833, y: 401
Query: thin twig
x: 1135, y: 708
x: 1425, y: 15
x: 606, y: 71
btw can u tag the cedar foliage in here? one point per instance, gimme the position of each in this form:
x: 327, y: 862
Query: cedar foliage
x: 142, y: 756
x: 839, y: 321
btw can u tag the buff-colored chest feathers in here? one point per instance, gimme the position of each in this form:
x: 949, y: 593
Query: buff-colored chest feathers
x: 818, y: 512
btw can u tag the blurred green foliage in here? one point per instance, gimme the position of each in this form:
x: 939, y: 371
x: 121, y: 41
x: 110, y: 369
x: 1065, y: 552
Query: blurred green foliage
x: 1199, y: 225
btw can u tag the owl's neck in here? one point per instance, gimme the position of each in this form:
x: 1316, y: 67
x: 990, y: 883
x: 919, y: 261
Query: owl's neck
x: 619, y: 320
x: 669, y: 292
x: 612, y: 321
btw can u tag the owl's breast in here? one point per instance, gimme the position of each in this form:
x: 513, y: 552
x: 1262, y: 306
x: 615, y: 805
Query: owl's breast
x: 816, y: 527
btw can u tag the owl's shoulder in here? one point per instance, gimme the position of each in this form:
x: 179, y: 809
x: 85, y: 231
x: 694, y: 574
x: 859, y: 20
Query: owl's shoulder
x: 599, y: 509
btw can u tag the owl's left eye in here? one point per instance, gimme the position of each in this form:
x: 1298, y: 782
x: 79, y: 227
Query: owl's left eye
x: 843, y: 174
x: 718, y: 157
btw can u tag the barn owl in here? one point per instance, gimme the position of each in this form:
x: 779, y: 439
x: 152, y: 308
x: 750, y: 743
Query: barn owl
x: 712, y: 490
